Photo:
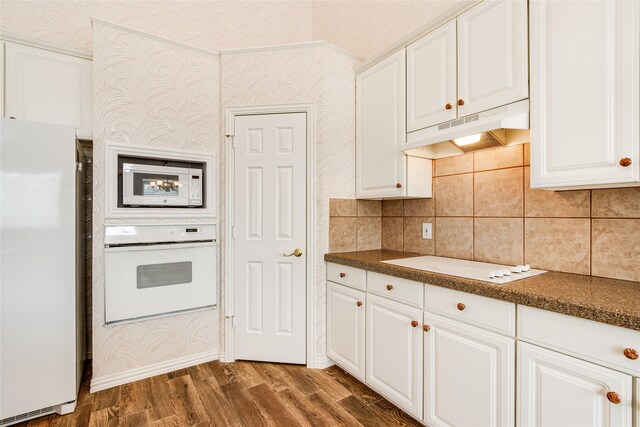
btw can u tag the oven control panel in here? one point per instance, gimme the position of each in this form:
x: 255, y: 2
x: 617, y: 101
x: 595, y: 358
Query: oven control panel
x: 158, y: 233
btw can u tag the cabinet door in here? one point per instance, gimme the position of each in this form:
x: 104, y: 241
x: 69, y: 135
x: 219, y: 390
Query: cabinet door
x: 585, y: 108
x: 380, y: 129
x: 431, y: 78
x: 469, y: 375
x: 46, y: 86
x: 555, y: 390
x: 493, y: 67
x: 394, y: 352
x: 345, y: 328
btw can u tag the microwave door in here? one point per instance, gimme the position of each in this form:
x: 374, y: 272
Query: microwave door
x: 155, y: 188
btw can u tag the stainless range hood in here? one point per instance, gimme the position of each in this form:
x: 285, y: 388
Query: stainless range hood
x: 504, y: 125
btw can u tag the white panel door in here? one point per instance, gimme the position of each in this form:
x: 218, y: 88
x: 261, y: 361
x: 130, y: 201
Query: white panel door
x: 555, y: 390
x: 394, y: 352
x: 469, y: 375
x: 380, y: 129
x: 493, y: 67
x: 270, y: 221
x: 431, y: 78
x: 585, y: 93
x: 46, y: 86
x: 345, y: 328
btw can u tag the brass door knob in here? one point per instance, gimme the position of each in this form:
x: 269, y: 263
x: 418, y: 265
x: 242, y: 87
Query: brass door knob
x: 461, y: 306
x: 297, y: 252
x: 389, y: 287
x: 359, y: 303
x: 414, y: 323
x: 460, y: 102
x: 631, y: 353
x: 625, y: 161
x: 614, y: 397
x: 398, y: 185
x: 426, y: 328
x: 448, y: 106
x: 343, y: 274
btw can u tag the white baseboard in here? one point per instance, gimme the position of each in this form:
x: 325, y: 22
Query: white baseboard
x: 322, y: 363
x: 103, y: 383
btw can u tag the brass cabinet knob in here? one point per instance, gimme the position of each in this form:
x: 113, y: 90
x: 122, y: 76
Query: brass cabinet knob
x: 461, y: 306
x: 614, y: 397
x: 414, y: 323
x: 343, y: 274
x: 448, y: 106
x: 297, y: 252
x: 625, y: 161
x: 631, y: 353
x: 460, y: 102
x: 389, y: 287
x: 426, y: 328
x: 359, y: 303
x: 398, y: 185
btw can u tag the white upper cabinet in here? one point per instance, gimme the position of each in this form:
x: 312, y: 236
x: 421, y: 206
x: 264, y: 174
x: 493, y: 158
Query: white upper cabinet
x: 382, y: 169
x: 493, y: 68
x: 431, y: 78
x: 46, y: 86
x: 585, y: 90
x: 474, y: 63
x: 380, y: 131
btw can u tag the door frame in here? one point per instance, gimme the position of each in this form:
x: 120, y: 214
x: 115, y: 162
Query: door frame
x: 229, y: 245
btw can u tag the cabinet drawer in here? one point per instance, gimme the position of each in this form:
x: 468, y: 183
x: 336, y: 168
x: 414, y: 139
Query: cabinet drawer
x: 595, y: 341
x: 487, y: 313
x: 349, y: 276
x: 396, y: 288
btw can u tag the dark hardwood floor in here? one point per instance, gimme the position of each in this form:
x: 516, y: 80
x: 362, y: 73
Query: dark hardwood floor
x: 234, y: 394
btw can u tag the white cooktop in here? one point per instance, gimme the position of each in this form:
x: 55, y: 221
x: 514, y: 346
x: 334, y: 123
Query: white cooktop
x: 492, y: 273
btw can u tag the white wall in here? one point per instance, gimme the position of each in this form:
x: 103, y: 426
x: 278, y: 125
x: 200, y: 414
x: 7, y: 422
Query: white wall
x: 325, y: 77
x: 148, y: 93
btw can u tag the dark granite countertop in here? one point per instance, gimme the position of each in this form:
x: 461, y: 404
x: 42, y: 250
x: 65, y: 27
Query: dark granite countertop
x: 612, y: 301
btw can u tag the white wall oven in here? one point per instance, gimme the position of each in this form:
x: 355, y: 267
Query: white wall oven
x: 158, y: 269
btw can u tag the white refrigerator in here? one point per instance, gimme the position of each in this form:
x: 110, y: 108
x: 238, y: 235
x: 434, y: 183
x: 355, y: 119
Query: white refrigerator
x: 41, y: 278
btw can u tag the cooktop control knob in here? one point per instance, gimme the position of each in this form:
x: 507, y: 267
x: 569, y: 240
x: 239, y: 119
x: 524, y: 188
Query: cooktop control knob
x: 516, y: 269
x: 505, y: 272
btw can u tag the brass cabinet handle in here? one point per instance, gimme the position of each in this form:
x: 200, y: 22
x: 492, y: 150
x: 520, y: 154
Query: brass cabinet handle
x: 625, y: 161
x: 426, y: 328
x: 359, y: 303
x: 460, y: 102
x: 297, y: 252
x: 614, y: 397
x: 448, y: 106
x: 389, y: 287
x: 398, y: 185
x: 461, y: 306
x: 414, y: 323
x: 631, y: 353
x: 343, y: 274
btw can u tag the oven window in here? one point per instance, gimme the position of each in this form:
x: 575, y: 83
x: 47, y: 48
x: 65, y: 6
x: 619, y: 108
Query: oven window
x: 171, y: 273
x: 154, y: 184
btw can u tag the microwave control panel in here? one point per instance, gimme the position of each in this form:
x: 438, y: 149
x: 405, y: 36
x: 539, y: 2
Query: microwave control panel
x: 195, y: 187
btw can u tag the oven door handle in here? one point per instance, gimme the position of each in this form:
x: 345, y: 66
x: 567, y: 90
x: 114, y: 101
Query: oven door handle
x: 159, y: 247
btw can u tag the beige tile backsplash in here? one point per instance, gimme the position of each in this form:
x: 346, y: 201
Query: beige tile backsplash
x: 483, y: 209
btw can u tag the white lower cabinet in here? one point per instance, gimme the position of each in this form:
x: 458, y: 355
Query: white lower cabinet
x: 394, y: 352
x: 469, y: 375
x: 556, y: 390
x: 345, y: 328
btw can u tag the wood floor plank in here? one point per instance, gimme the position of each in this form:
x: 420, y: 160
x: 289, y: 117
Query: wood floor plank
x: 400, y: 417
x: 246, y: 409
x: 367, y: 415
x: 358, y: 389
x: 187, y: 403
x: 301, y: 409
x: 133, y: 397
x: 159, y: 396
x: 218, y: 409
x: 272, y: 376
x: 199, y: 372
x: 276, y: 413
x: 328, y: 384
x: 330, y: 409
x: 246, y: 374
x: 222, y: 372
x: 106, y: 417
x: 106, y: 398
x: 299, y: 377
x: 135, y: 420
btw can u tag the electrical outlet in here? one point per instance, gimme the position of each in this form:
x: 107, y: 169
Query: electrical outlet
x: 426, y: 231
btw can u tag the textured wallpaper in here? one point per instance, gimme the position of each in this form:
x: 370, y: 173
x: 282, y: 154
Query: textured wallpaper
x: 366, y: 27
x: 150, y: 93
x: 212, y: 25
x: 324, y: 77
